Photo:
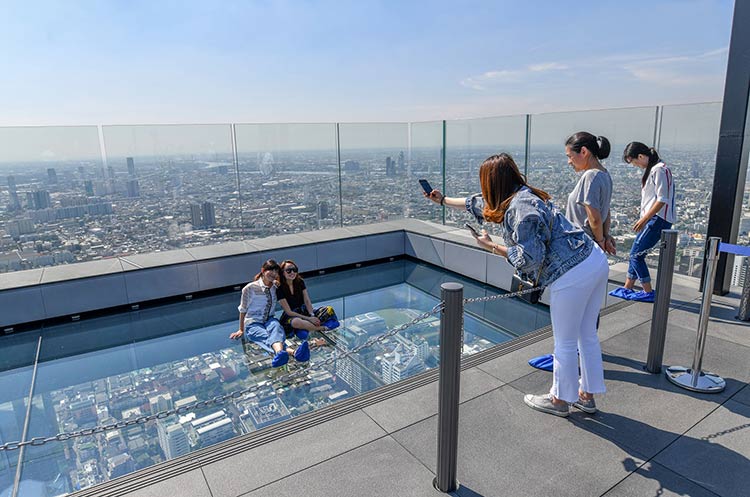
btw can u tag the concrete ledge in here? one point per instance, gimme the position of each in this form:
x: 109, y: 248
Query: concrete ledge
x: 35, y: 295
x: 39, y: 294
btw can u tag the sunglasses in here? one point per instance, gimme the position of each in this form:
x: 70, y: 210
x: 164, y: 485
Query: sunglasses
x: 290, y: 270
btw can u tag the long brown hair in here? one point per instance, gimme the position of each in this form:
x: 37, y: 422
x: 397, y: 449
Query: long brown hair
x: 296, y: 282
x: 500, y: 180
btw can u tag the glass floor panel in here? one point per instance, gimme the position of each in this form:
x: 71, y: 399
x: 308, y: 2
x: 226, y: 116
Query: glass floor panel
x: 123, y: 366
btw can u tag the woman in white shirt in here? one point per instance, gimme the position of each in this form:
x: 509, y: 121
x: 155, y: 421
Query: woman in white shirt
x: 658, y: 213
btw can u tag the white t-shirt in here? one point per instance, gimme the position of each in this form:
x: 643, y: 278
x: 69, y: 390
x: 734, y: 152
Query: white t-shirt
x: 659, y: 187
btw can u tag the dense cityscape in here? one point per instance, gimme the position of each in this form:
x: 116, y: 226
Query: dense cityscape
x: 81, y: 211
x: 59, y: 468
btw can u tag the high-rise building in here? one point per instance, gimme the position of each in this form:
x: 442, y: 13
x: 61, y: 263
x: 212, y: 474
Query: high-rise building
x: 88, y: 185
x: 120, y: 465
x: 172, y: 439
x: 401, y: 363
x: 134, y: 189
x: 131, y: 166
x: 209, y: 214
x: 401, y: 163
x: 214, y: 428
x: 195, y: 215
x: 38, y: 199
x: 51, y: 176
x: 15, y: 204
x: 110, y: 173
x: 390, y: 167
x: 322, y: 209
x: 19, y: 227
x: 160, y: 402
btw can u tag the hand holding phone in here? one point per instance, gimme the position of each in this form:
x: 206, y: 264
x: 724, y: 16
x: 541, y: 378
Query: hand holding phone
x: 425, y: 186
x: 473, y: 230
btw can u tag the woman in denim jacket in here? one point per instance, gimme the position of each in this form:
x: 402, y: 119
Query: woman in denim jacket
x: 544, y: 246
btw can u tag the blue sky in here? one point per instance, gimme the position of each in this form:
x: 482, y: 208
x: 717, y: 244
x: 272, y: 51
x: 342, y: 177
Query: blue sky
x: 122, y: 62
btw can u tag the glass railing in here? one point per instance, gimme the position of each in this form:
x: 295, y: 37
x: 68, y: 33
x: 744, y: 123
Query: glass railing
x: 170, y: 187
x: 72, y: 194
x: 468, y: 143
x: 374, y: 172
x: 47, y: 174
x: 425, y: 161
x: 688, y: 140
x: 288, y: 178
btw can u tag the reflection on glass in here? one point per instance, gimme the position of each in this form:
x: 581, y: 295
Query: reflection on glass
x: 375, y: 172
x: 741, y: 265
x: 171, y: 186
x: 121, y: 367
x: 689, y: 137
x: 43, y: 172
x: 468, y: 143
x: 425, y: 161
x: 289, y: 178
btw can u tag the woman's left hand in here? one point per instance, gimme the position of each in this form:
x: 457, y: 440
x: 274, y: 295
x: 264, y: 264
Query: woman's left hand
x: 640, y: 224
x: 484, y: 241
x: 314, y: 320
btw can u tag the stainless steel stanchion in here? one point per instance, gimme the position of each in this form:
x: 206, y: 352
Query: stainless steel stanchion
x: 743, y: 313
x: 694, y: 379
x: 661, y: 304
x: 451, y: 339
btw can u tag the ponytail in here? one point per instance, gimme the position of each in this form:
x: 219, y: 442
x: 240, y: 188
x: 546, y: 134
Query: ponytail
x: 634, y: 149
x: 598, y: 145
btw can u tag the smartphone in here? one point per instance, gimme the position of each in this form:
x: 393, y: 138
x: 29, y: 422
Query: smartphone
x: 425, y: 186
x: 473, y: 230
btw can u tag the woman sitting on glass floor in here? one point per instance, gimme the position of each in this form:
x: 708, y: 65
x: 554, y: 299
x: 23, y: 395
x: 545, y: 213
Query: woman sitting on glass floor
x: 299, y: 316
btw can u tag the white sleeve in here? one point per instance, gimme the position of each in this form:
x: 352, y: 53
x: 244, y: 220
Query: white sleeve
x: 661, y: 185
x: 245, y: 299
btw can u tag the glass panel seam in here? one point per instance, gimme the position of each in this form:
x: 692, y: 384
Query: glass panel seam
x: 26, y: 420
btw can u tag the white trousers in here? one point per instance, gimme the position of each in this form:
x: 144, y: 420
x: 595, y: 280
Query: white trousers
x: 575, y: 300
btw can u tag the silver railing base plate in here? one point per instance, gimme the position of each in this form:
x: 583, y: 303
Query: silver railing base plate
x: 707, y: 382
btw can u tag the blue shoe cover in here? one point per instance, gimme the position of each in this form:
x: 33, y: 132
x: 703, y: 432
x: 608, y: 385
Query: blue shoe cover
x: 302, y: 334
x: 302, y: 354
x: 543, y: 362
x: 643, y: 296
x: 332, y: 324
x: 622, y: 292
x: 280, y: 359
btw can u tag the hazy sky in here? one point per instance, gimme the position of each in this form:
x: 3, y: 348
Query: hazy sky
x: 157, y: 61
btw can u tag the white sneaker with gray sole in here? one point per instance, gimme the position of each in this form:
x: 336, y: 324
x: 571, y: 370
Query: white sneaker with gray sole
x: 544, y: 403
x: 588, y: 406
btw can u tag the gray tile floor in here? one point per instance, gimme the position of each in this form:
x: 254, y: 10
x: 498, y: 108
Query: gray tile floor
x: 649, y: 438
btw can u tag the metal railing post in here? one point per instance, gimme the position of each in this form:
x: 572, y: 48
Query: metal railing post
x: 451, y: 340
x: 661, y: 304
x: 694, y: 379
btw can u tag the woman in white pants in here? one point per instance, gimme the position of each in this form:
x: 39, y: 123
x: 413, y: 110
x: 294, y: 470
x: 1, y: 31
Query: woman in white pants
x: 544, y: 246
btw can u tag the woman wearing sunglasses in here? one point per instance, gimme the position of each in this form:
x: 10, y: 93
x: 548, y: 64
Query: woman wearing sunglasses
x: 295, y: 301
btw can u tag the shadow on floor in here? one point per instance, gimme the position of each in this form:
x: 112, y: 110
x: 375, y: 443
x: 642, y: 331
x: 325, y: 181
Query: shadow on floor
x: 702, y: 461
